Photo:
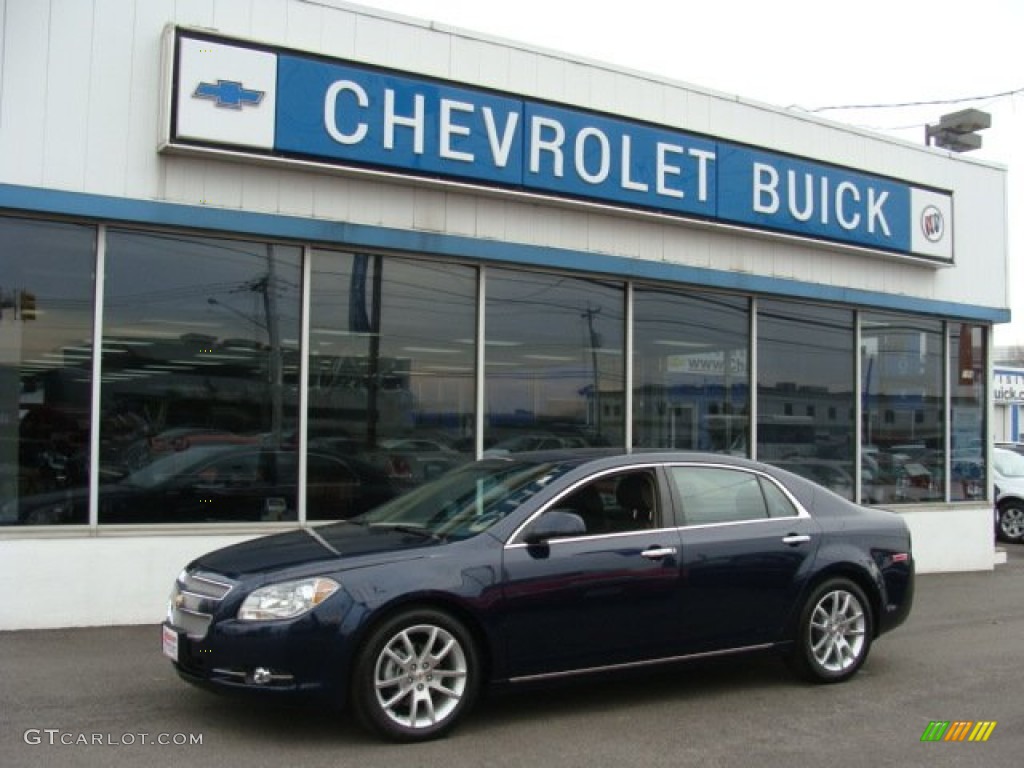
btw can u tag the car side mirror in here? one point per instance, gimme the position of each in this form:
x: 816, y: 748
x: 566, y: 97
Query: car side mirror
x: 555, y: 524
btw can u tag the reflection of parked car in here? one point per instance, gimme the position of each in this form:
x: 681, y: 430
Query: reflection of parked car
x: 536, y: 442
x: 147, y: 449
x: 412, y: 460
x: 1015, y: 447
x: 538, y: 567
x: 1008, y: 472
x: 219, y: 483
x: 833, y: 475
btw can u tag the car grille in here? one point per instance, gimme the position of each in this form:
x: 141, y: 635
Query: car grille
x: 194, y: 600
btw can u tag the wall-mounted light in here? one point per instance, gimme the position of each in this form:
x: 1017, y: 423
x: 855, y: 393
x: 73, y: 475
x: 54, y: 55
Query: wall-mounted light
x: 956, y: 131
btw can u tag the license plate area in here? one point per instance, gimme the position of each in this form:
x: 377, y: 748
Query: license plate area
x: 170, y: 643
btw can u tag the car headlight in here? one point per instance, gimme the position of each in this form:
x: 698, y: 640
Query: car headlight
x: 287, y: 599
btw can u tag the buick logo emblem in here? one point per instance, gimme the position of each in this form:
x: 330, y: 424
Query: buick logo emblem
x: 933, y: 225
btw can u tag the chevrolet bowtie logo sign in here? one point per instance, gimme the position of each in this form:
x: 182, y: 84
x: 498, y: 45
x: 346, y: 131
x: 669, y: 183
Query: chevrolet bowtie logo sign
x: 228, y: 94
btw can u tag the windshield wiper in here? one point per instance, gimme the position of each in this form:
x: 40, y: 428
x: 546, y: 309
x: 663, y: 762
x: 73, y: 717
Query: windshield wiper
x: 406, y: 528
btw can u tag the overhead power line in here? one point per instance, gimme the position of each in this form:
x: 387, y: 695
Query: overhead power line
x: 933, y: 102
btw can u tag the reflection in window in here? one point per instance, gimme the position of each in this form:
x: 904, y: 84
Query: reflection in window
x: 46, y: 290
x: 691, y: 380
x: 805, y: 367
x: 46, y: 311
x: 554, y: 353
x: 902, y: 457
x: 968, y: 369
x: 391, y: 368
x: 200, y: 370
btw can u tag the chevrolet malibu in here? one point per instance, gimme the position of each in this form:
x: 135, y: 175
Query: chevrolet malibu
x: 540, y: 567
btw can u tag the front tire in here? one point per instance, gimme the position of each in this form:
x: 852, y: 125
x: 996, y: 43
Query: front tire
x: 416, y: 676
x: 835, y: 632
x: 1011, y: 521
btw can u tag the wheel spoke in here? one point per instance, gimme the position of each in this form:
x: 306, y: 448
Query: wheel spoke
x: 438, y: 657
x: 428, y: 703
x: 442, y: 689
x: 389, y: 703
x: 425, y: 653
x: 410, y: 647
x: 390, y: 682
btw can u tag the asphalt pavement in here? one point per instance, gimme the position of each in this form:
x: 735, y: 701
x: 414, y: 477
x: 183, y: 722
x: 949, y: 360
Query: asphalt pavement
x: 106, y: 697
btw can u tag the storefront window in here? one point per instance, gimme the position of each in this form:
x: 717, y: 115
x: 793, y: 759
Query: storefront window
x: 691, y: 378
x: 391, y: 373
x: 968, y: 369
x: 554, y: 354
x: 805, y: 384
x: 902, y: 455
x: 199, y: 380
x: 46, y: 327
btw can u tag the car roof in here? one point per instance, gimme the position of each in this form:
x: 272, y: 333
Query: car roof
x: 609, y: 458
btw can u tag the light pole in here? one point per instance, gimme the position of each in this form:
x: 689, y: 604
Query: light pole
x: 956, y: 131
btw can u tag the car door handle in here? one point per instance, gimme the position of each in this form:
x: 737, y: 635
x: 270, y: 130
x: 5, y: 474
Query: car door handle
x: 658, y: 553
x: 796, y: 538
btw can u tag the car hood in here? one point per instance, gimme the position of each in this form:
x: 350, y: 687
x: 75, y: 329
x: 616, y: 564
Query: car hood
x: 334, y: 546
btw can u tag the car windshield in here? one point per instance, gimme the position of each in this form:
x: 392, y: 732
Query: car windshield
x: 468, y: 500
x: 1008, y: 463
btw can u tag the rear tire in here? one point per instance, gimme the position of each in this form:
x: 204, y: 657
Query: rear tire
x: 416, y: 676
x: 834, y: 634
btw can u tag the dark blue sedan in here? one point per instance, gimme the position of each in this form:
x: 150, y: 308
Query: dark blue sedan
x: 543, y: 566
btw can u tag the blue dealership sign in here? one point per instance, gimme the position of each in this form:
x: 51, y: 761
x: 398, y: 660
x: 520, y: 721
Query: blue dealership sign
x: 349, y: 115
x: 367, y: 117
x: 772, y: 191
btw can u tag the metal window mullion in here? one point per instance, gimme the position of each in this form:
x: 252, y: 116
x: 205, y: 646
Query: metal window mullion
x: 989, y: 407
x: 481, y: 360
x: 947, y: 408
x: 97, y: 370
x: 627, y: 384
x: 307, y: 284
x: 858, y: 408
x: 752, y: 379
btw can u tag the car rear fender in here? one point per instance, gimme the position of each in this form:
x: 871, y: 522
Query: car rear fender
x: 843, y: 561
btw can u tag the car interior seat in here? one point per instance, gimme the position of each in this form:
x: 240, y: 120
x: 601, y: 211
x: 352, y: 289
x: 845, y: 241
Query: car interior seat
x: 635, y: 495
x: 588, y: 504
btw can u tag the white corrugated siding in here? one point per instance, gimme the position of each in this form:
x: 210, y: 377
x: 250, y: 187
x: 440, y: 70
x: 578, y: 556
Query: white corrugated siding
x: 80, y: 102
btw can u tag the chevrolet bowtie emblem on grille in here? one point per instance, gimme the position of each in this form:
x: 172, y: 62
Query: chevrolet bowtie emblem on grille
x: 228, y: 94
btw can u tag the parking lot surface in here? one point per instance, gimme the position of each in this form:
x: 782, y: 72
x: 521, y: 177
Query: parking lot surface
x: 106, y: 697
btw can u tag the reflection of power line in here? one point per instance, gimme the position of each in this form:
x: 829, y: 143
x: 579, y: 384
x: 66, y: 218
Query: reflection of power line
x: 215, y: 303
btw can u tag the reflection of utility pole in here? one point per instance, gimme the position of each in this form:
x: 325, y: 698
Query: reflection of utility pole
x: 595, y: 344
x: 268, y: 286
x: 373, y: 374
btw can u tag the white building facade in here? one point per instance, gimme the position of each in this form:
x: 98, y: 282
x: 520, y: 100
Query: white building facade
x: 265, y: 264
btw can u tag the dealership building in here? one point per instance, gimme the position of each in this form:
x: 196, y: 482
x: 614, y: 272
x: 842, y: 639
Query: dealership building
x: 265, y: 264
x: 1008, y: 403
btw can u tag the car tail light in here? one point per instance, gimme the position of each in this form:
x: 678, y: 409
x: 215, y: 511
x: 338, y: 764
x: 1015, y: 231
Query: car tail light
x: 398, y: 467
